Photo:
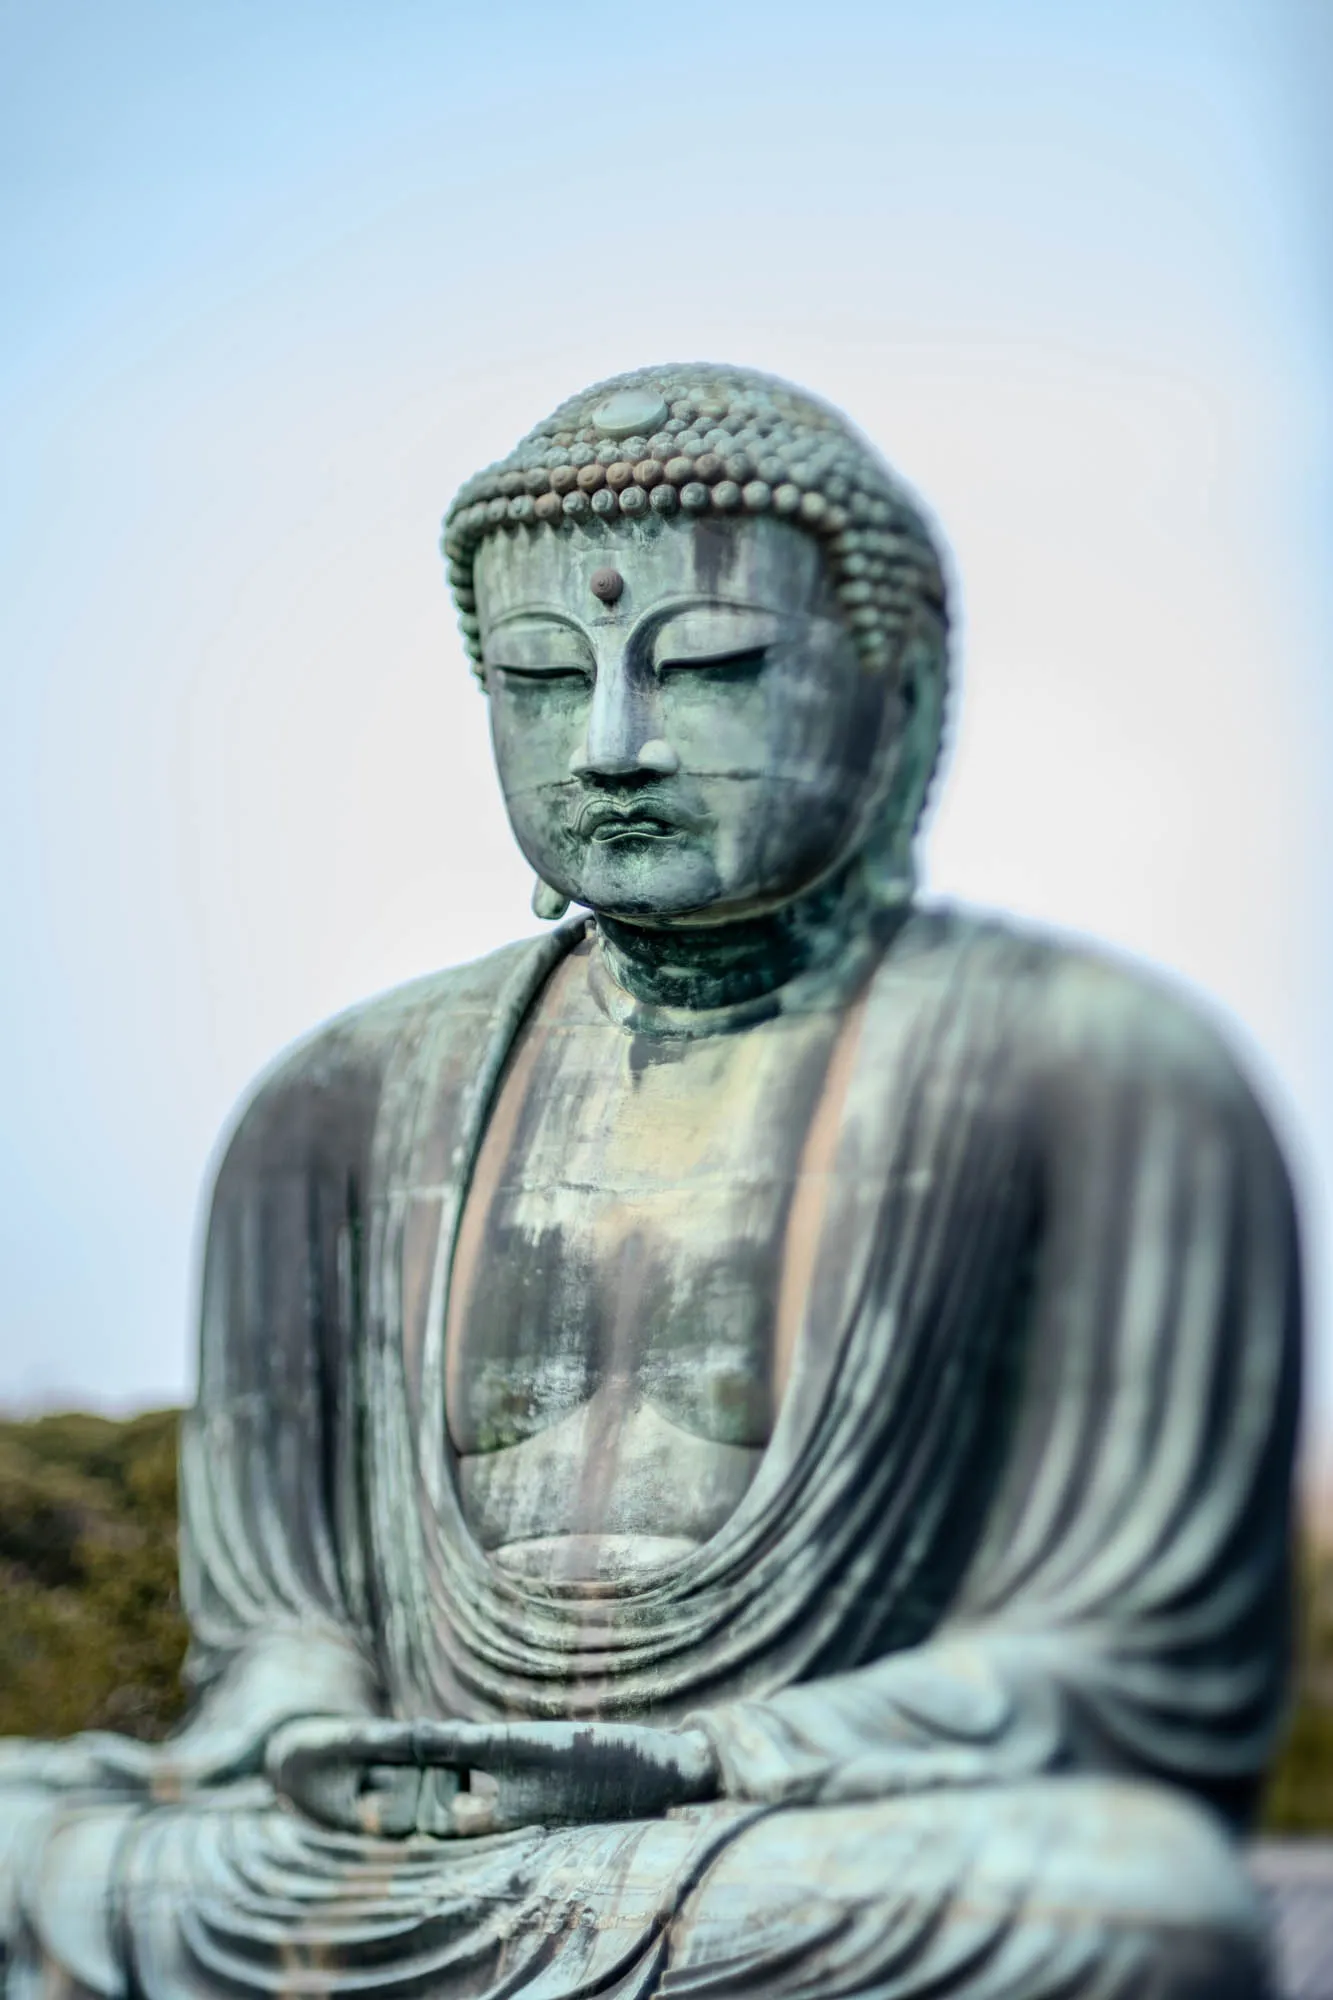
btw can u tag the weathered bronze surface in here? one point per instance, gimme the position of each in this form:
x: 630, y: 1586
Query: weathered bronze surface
x: 743, y: 1445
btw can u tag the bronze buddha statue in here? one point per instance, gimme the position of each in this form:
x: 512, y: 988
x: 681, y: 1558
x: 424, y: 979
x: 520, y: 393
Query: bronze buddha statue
x: 743, y: 1445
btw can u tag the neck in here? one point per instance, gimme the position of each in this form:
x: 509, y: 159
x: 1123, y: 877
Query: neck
x: 720, y: 965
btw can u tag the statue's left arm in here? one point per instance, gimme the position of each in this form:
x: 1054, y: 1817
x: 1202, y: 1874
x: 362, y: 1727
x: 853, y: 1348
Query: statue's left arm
x: 1127, y: 1608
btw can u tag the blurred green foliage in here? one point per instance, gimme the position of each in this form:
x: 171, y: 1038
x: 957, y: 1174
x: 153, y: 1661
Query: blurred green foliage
x: 91, y: 1633
x: 1300, y: 1791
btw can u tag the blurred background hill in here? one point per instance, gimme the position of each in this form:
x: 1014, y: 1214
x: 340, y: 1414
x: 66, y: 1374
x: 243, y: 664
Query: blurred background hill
x: 91, y: 1633
x: 92, y: 1636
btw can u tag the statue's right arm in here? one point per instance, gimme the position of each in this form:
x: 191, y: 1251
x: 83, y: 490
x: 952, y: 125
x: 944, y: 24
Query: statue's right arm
x: 272, y: 1567
x: 276, y: 1573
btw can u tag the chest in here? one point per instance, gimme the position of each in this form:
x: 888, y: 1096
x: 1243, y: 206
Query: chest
x: 625, y: 1233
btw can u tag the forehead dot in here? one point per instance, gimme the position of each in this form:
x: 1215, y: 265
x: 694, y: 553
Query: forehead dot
x: 607, y: 584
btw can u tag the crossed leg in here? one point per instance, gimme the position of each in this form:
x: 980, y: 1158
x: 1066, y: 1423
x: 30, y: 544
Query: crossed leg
x: 1058, y: 1889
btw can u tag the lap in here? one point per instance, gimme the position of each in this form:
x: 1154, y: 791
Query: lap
x: 1071, y: 1887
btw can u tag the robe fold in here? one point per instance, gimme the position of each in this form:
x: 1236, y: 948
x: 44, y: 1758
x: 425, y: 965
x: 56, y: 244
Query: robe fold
x: 1024, y: 1518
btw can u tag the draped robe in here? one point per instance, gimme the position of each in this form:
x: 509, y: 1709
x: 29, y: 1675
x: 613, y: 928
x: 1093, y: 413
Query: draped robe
x: 1010, y: 1583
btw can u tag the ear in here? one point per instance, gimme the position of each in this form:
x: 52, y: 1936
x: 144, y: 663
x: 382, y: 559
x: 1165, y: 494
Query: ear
x: 888, y: 857
x: 548, y: 903
x: 924, y: 681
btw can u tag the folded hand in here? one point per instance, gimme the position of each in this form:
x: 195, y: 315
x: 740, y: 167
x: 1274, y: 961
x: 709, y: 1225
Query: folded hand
x: 454, y: 1779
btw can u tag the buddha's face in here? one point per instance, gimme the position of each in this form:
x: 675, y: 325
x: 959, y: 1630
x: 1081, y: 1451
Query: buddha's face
x: 683, y: 725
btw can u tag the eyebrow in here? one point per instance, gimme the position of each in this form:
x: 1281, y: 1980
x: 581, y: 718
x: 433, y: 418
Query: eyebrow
x: 717, y: 603
x: 549, y: 612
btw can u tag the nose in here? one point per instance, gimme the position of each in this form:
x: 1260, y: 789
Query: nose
x: 623, y: 739
x: 655, y: 755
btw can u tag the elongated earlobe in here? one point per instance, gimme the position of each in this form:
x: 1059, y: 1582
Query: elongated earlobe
x: 888, y: 858
x: 548, y: 903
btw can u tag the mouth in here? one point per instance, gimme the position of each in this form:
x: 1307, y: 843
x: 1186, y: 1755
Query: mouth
x: 604, y: 821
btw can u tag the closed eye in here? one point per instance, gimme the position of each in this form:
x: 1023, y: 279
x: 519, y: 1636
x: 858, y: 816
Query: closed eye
x: 739, y: 666
x: 538, y: 673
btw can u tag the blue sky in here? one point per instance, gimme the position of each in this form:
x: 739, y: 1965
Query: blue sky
x: 277, y: 276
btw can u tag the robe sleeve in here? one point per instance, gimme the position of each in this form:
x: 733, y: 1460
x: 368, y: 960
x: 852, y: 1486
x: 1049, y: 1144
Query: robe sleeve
x: 1128, y: 1606
x: 272, y: 1563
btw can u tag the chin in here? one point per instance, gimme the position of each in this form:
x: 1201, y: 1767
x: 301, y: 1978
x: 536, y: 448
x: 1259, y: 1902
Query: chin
x: 630, y: 880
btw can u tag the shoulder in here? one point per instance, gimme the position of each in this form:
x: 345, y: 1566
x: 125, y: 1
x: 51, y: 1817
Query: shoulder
x: 1124, y: 1087
x: 320, y: 1096
x: 1080, y: 1014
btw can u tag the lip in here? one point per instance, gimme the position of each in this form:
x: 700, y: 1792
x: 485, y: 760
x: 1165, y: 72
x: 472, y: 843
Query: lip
x: 633, y: 826
x: 643, y: 818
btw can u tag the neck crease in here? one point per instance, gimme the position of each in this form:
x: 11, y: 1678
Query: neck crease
x: 707, y: 966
